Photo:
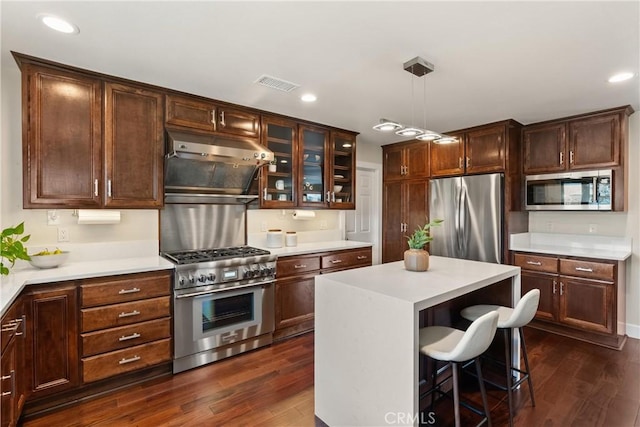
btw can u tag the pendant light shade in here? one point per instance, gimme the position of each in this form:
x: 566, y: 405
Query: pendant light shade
x: 417, y: 67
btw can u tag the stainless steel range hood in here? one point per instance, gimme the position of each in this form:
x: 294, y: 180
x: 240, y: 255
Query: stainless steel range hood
x: 211, y: 169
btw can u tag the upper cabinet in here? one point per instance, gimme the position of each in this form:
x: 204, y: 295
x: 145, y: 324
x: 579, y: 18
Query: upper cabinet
x: 278, y: 180
x: 133, y: 147
x: 406, y: 160
x: 477, y: 150
x: 590, y: 141
x: 88, y: 143
x: 201, y: 114
x: 314, y: 166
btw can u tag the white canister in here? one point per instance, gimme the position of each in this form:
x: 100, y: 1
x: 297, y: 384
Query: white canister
x: 274, y: 238
x: 291, y: 238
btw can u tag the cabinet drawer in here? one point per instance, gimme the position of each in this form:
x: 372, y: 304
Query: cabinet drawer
x: 347, y: 259
x: 587, y: 269
x: 123, y: 289
x: 537, y: 263
x: 125, y: 336
x: 130, y: 359
x: 297, y: 265
x: 124, y: 314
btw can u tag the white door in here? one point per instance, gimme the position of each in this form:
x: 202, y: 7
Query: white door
x: 363, y: 224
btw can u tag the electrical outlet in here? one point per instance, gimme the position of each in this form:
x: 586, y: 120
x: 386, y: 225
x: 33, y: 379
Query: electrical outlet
x: 549, y: 226
x: 263, y: 226
x: 53, y: 218
x: 323, y: 225
x: 593, y: 228
x: 63, y: 234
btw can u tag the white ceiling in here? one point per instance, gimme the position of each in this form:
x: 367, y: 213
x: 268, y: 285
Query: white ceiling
x: 530, y: 61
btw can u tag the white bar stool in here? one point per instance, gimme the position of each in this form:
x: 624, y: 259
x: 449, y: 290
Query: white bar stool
x: 454, y: 346
x: 510, y: 318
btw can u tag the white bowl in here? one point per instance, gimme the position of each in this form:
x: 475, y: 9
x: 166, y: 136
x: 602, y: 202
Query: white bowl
x: 305, y: 157
x: 337, y: 188
x: 49, y: 261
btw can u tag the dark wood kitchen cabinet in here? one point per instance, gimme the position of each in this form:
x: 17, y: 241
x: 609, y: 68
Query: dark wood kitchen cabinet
x: 482, y: 149
x: 579, y: 297
x: 206, y: 115
x: 125, y: 324
x: 87, y: 142
x: 405, y: 207
x: 52, y: 330
x: 589, y: 141
x: 295, y: 286
x: 62, y: 138
x: 133, y: 142
x: 279, y: 181
x: 12, y: 391
x: 406, y: 160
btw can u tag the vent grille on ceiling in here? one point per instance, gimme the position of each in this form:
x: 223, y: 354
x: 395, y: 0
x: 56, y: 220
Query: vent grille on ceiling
x: 276, y: 83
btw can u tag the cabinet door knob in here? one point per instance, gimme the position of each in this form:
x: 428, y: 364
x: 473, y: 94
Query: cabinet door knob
x: 468, y: 162
x: 554, y: 286
x: 571, y: 157
x: 95, y: 187
x: 561, y: 288
x: 213, y: 116
x: 108, y: 188
x: 561, y: 158
x: 222, y: 123
x: 460, y: 162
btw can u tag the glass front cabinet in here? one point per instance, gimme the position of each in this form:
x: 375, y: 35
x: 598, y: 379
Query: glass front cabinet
x: 314, y: 167
x: 278, y: 182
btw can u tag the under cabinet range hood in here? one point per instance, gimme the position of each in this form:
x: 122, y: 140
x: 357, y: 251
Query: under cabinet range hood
x: 211, y: 169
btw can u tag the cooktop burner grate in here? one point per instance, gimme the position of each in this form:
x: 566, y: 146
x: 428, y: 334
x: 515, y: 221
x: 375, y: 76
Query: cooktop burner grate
x: 204, y: 255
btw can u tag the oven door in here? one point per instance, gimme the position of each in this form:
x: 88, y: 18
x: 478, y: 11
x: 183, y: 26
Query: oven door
x: 205, y: 320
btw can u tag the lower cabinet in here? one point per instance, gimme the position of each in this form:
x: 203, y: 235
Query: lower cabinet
x: 579, y: 297
x: 295, y: 286
x: 12, y: 392
x: 52, y: 330
x: 82, y: 338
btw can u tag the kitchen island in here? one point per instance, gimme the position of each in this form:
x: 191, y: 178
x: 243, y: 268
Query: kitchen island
x: 366, y: 335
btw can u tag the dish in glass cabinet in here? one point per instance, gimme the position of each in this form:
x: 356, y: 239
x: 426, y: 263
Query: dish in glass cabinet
x: 338, y: 176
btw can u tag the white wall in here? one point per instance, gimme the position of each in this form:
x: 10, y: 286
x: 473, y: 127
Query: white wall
x: 622, y: 224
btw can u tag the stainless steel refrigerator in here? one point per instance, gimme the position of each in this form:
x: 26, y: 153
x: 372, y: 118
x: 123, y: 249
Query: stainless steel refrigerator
x: 472, y: 210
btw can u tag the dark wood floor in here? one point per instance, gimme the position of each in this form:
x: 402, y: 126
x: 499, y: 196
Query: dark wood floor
x: 575, y: 383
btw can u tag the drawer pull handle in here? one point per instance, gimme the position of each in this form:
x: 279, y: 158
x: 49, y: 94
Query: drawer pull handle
x: 336, y: 261
x: 362, y: 257
x: 588, y: 270
x: 129, y: 337
x: 128, y: 291
x: 300, y: 266
x: 132, y: 359
x: 129, y: 314
x: 534, y: 263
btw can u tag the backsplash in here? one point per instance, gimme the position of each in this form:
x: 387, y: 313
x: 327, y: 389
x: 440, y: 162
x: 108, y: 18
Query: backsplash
x: 596, y: 223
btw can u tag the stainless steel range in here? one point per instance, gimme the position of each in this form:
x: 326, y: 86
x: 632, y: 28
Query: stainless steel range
x: 223, y: 295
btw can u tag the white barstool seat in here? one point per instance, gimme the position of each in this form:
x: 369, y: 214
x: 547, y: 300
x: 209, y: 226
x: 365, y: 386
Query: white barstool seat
x: 509, y: 318
x: 454, y: 346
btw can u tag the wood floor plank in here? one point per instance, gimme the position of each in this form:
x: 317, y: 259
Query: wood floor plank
x: 575, y: 383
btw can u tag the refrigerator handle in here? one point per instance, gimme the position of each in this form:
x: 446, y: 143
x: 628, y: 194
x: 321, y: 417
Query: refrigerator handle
x: 458, y: 223
x: 462, y: 230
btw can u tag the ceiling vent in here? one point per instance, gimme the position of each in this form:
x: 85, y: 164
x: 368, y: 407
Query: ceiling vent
x: 276, y: 83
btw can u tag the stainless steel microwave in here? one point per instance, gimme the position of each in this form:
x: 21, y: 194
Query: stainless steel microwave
x: 588, y: 190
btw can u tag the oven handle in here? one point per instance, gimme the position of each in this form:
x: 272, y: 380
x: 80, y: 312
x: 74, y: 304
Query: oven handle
x: 250, y: 285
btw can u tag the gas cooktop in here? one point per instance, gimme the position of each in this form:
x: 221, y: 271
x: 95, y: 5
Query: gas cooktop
x: 205, y: 255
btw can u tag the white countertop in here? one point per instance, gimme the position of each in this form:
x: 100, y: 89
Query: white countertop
x: 12, y: 285
x: 307, y: 248
x: 588, y: 246
x: 447, y: 278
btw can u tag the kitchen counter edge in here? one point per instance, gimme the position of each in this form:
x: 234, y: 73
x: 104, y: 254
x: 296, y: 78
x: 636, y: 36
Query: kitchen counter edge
x: 584, y: 246
x: 14, y: 283
x: 309, y: 248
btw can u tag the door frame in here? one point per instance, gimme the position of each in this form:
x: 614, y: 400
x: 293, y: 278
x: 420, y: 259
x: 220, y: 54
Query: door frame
x: 376, y: 203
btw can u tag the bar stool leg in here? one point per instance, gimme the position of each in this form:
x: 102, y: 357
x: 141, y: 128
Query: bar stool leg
x: 483, y: 392
x: 507, y: 354
x: 526, y: 364
x: 456, y: 398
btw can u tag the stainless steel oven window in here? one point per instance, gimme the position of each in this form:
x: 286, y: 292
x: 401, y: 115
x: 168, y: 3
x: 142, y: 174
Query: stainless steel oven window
x: 228, y: 311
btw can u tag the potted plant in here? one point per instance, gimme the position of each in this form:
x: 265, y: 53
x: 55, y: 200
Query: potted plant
x: 416, y: 258
x: 12, y: 247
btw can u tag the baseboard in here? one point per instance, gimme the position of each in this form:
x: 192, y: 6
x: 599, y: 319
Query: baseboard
x: 633, y: 331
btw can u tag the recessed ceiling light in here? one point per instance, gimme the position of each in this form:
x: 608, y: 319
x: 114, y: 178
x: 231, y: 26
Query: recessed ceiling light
x: 620, y: 77
x: 58, y: 24
x: 308, y: 97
